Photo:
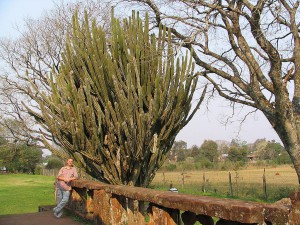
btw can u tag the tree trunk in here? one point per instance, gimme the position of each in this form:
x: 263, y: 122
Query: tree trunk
x: 289, y: 132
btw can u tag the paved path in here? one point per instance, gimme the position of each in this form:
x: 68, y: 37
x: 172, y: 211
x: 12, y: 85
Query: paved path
x: 39, y: 218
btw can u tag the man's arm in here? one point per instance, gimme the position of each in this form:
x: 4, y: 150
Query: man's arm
x: 75, y: 174
x: 60, y: 176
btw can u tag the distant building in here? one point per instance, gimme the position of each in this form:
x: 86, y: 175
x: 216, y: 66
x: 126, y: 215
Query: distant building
x: 252, y: 158
x: 3, y: 169
x: 223, y: 157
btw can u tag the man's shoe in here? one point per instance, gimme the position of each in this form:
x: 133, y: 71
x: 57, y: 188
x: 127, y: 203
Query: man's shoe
x: 58, y: 214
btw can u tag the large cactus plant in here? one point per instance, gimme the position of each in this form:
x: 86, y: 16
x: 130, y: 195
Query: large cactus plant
x: 118, y: 101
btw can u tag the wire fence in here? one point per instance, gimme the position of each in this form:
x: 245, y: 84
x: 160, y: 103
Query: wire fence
x: 261, y: 184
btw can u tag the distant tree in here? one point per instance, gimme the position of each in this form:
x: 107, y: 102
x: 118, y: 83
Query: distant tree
x: 181, y: 155
x: 30, y: 157
x: 179, y: 145
x: 271, y: 151
x: 236, y: 154
x: 238, y: 143
x: 19, y: 157
x: 283, y: 158
x: 3, y: 142
x: 54, y: 162
x: 235, y: 143
x: 223, y: 148
x: 209, y: 150
x: 259, y: 145
x: 195, y: 151
x: 178, y: 151
x: 5, y: 154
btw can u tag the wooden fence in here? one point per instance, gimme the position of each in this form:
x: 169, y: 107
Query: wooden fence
x: 54, y: 172
x: 49, y: 172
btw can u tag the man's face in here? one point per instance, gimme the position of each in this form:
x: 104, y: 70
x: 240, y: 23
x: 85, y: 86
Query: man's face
x: 70, y: 162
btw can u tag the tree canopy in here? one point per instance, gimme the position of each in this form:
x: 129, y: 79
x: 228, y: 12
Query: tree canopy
x: 19, y: 157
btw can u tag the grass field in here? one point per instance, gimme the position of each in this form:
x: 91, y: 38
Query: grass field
x: 246, y: 183
x: 274, y: 175
x: 21, y: 193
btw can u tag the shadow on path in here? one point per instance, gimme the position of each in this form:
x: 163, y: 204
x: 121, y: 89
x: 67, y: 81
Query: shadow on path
x: 45, y: 217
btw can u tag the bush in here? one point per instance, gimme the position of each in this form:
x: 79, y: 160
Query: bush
x: 279, y: 193
x: 186, y: 166
x: 238, y: 165
x: 38, y: 170
x: 261, y: 163
x: 54, y: 163
x: 204, y: 165
x: 170, y: 167
x: 226, y: 165
x: 189, y: 160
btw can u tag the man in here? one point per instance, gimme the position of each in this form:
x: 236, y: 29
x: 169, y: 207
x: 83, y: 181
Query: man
x: 63, y: 186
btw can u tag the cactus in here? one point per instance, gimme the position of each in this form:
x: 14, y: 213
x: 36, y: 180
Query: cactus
x: 119, y: 100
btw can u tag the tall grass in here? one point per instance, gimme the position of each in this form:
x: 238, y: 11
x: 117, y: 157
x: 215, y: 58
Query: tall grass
x: 22, y: 193
x: 247, y: 184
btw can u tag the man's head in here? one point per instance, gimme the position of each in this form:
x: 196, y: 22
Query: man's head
x: 70, y: 162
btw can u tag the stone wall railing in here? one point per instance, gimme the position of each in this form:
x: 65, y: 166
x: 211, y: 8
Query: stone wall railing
x: 119, y: 204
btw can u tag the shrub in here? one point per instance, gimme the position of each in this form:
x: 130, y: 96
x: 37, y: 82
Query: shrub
x: 279, y: 193
x: 38, y: 170
x: 186, y: 166
x: 189, y: 160
x: 170, y: 167
x: 226, y: 165
x: 238, y: 165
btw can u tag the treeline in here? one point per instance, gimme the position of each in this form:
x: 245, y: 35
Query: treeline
x: 19, y: 157
x: 225, y: 155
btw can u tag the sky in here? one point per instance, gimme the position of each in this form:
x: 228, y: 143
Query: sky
x: 206, y: 125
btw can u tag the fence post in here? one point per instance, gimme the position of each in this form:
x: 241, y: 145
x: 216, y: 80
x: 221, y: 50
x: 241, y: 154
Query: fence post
x: 230, y: 186
x: 203, y: 183
x: 236, y: 182
x: 265, y: 184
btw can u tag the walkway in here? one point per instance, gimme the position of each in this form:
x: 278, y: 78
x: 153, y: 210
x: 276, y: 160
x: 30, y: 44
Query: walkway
x: 45, y: 217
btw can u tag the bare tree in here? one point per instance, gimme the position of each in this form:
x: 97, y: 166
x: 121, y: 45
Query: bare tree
x: 248, y: 50
x: 31, y: 57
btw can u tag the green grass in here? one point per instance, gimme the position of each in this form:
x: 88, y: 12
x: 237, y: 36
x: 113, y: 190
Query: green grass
x: 22, y: 193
